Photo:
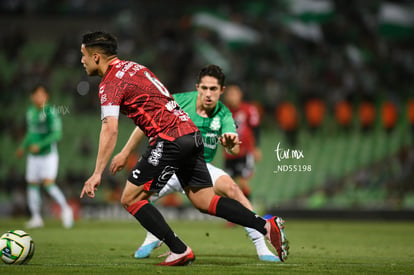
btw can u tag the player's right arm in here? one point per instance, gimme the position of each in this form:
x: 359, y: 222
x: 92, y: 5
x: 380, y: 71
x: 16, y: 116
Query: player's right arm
x: 119, y: 161
x: 22, y: 148
x: 111, y: 96
x: 25, y: 143
x: 107, y: 142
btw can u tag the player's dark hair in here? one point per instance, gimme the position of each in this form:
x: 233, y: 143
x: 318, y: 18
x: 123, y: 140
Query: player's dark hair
x: 102, y: 40
x: 37, y: 86
x: 213, y: 71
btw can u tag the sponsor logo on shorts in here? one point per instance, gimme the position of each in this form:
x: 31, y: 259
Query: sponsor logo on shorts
x: 166, y: 174
x: 156, y: 154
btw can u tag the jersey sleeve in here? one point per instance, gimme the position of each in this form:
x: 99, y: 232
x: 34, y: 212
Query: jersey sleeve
x: 110, y: 96
x: 25, y: 142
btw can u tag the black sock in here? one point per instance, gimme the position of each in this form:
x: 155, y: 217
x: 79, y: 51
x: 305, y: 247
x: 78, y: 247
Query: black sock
x: 235, y: 212
x: 152, y: 220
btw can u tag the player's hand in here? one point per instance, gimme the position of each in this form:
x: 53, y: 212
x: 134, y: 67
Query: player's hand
x: 118, y: 163
x: 34, y: 148
x: 19, y: 153
x: 91, y: 185
x: 229, y: 140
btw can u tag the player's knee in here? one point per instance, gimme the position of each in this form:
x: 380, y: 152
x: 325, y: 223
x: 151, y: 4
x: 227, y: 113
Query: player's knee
x: 126, y: 200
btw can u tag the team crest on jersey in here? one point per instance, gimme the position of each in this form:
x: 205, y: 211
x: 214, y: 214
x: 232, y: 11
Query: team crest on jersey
x: 215, y: 124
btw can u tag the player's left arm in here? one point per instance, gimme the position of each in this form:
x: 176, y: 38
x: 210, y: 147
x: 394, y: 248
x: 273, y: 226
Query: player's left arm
x: 231, y: 143
x: 107, y: 142
x: 119, y: 160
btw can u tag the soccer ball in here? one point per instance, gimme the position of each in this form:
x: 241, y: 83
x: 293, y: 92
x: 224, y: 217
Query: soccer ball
x: 16, y: 247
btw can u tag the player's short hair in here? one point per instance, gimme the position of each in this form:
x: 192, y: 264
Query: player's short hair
x: 38, y: 86
x: 106, y: 42
x: 214, y: 71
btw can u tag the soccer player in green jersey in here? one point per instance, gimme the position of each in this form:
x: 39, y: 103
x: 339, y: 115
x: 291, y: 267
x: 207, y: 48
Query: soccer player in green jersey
x: 214, y: 120
x: 44, y: 130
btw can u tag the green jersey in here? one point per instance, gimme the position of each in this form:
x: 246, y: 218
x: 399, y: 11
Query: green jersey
x: 44, y: 129
x: 211, y: 128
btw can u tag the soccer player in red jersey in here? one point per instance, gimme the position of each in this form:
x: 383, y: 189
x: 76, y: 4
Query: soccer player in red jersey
x: 176, y: 146
x: 247, y: 118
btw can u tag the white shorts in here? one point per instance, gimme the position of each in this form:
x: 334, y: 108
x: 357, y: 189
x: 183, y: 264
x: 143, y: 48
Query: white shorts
x: 40, y: 168
x: 173, y: 184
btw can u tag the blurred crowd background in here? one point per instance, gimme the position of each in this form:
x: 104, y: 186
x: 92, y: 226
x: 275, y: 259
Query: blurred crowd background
x: 332, y: 78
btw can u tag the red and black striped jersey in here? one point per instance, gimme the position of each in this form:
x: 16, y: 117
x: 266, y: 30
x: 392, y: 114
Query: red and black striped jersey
x: 133, y: 90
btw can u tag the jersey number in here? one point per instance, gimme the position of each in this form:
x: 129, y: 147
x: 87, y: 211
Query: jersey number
x: 158, y: 84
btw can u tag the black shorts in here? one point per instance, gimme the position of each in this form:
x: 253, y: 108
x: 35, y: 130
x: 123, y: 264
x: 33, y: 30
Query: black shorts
x: 240, y: 167
x: 184, y: 156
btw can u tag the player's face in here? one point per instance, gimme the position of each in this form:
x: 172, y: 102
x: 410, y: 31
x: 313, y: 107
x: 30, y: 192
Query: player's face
x: 39, y: 97
x: 89, y: 62
x: 233, y: 96
x: 209, y: 91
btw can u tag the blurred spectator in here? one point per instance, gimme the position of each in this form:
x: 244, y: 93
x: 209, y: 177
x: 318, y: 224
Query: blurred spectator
x: 287, y: 117
x: 356, y: 47
x: 314, y: 112
x: 389, y: 115
x: 247, y: 119
x: 366, y: 112
x: 343, y: 113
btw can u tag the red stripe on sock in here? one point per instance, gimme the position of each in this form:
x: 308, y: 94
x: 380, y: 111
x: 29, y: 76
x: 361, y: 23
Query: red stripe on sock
x: 213, y: 205
x: 133, y: 209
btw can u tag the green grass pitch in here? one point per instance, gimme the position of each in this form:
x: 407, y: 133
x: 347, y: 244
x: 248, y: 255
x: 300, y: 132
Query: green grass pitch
x: 317, y: 247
